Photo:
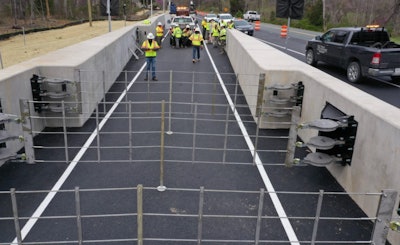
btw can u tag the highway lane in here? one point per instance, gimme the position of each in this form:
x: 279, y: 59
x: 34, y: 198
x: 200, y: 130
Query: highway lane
x: 382, y: 88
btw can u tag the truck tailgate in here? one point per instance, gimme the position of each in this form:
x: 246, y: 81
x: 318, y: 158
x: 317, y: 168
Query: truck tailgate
x: 390, y: 58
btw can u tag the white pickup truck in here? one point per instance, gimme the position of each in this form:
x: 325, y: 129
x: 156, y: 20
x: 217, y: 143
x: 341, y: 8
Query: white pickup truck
x: 251, y: 16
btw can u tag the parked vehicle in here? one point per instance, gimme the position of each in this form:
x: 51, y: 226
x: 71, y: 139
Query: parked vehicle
x: 182, y: 11
x: 244, y: 26
x: 224, y: 18
x: 182, y: 21
x: 251, y: 16
x: 209, y: 17
x: 362, y: 51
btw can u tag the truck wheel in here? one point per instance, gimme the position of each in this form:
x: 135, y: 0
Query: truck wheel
x: 310, y: 57
x: 354, y: 72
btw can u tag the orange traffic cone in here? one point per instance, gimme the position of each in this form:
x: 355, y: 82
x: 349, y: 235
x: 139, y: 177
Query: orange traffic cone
x: 257, y: 25
x: 284, y: 31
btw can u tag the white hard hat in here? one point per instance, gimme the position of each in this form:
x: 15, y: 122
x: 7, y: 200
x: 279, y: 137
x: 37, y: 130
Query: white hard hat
x: 197, y: 29
x: 222, y: 25
x: 150, y: 36
x: 187, y: 26
x: 159, y: 24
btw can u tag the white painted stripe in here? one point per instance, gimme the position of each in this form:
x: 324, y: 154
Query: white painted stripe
x: 45, y: 203
x: 268, y: 185
x: 281, y: 47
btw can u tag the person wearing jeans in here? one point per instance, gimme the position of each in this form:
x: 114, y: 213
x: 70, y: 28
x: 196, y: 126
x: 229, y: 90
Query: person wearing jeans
x: 197, y: 44
x: 150, y: 47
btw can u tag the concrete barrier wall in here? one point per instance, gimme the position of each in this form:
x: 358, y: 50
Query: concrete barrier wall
x: 92, y: 66
x: 376, y: 154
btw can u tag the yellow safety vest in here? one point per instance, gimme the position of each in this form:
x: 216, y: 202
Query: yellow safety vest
x: 159, y: 31
x: 203, y: 23
x: 222, y: 34
x: 150, y: 49
x: 177, y: 32
x: 196, y: 39
x: 215, y: 30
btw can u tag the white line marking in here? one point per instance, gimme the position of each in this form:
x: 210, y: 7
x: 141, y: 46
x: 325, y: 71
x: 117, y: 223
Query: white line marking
x: 271, y: 191
x: 46, y: 201
x: 281, y: 47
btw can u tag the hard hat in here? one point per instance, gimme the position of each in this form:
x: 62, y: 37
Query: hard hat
x: 222, y: 25
x: 159, y: 24
x: 150, y: 36
x: 197, y: 29
x: 187, y: 26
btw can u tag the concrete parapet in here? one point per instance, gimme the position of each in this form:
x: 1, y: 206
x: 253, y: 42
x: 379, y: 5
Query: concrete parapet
x: 90, y: 67
x: 374, y: 164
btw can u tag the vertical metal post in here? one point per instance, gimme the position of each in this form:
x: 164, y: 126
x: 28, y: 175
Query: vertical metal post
x: 226, y: 134
x: 192, y: 95
x: 126, y: 88
x: 130, y: 130
x: 256, y: 140
x: 194, y: 133
x: 1, y: 61
x: 65, y: 132
x: 317, y: 216
x: 260, y: 94
x: 384, y: 216
x: 27, y: 130
x: 162, y: 187
x: 109, y: 15
x: 291, y: 146
x: 78, y: 215
x: 259, y: 215
x: 139, y: 197
x: 170, y: 103
x: 236, y: 90
x: 15, y: 215
x: 98, y: 134
x: 214, y: 93
x: 200, y: 220
x: 104, y: 93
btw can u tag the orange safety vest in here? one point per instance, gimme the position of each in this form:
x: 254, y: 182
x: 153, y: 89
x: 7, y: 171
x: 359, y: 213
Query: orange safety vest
x: 150, y: 49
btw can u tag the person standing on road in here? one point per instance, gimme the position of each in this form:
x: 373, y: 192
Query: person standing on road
x: 159, y: 33
x: 150, y: 47
x: 204, y: 26
x: 197, y: 43
x: 222, y: 38
x: 178, y: 36
x: 214, y: 34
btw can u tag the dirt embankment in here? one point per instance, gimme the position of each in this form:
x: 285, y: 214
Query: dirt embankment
x: 24, y: 47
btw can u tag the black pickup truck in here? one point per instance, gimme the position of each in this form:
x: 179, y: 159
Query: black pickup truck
x: 362, y: 51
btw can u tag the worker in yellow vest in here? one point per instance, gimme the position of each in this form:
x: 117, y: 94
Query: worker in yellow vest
x: 185, y: 36
x: 222, y: 38
x: 197, y: 42
x: 159, y: 33
x: 231, y: 25
x: 215, y: 34
x: 178, y: 36
x: 208, y: 30
x: 150, y: 47
x: 203, y: 25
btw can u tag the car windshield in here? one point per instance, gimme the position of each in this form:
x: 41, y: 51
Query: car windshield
x: 183, y: 20
x: 241, y: 23
x: 225, y: 16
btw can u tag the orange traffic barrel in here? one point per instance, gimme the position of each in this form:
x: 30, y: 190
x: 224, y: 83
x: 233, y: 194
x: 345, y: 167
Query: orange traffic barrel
x: 257, y: 25
x: 284, y: 31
